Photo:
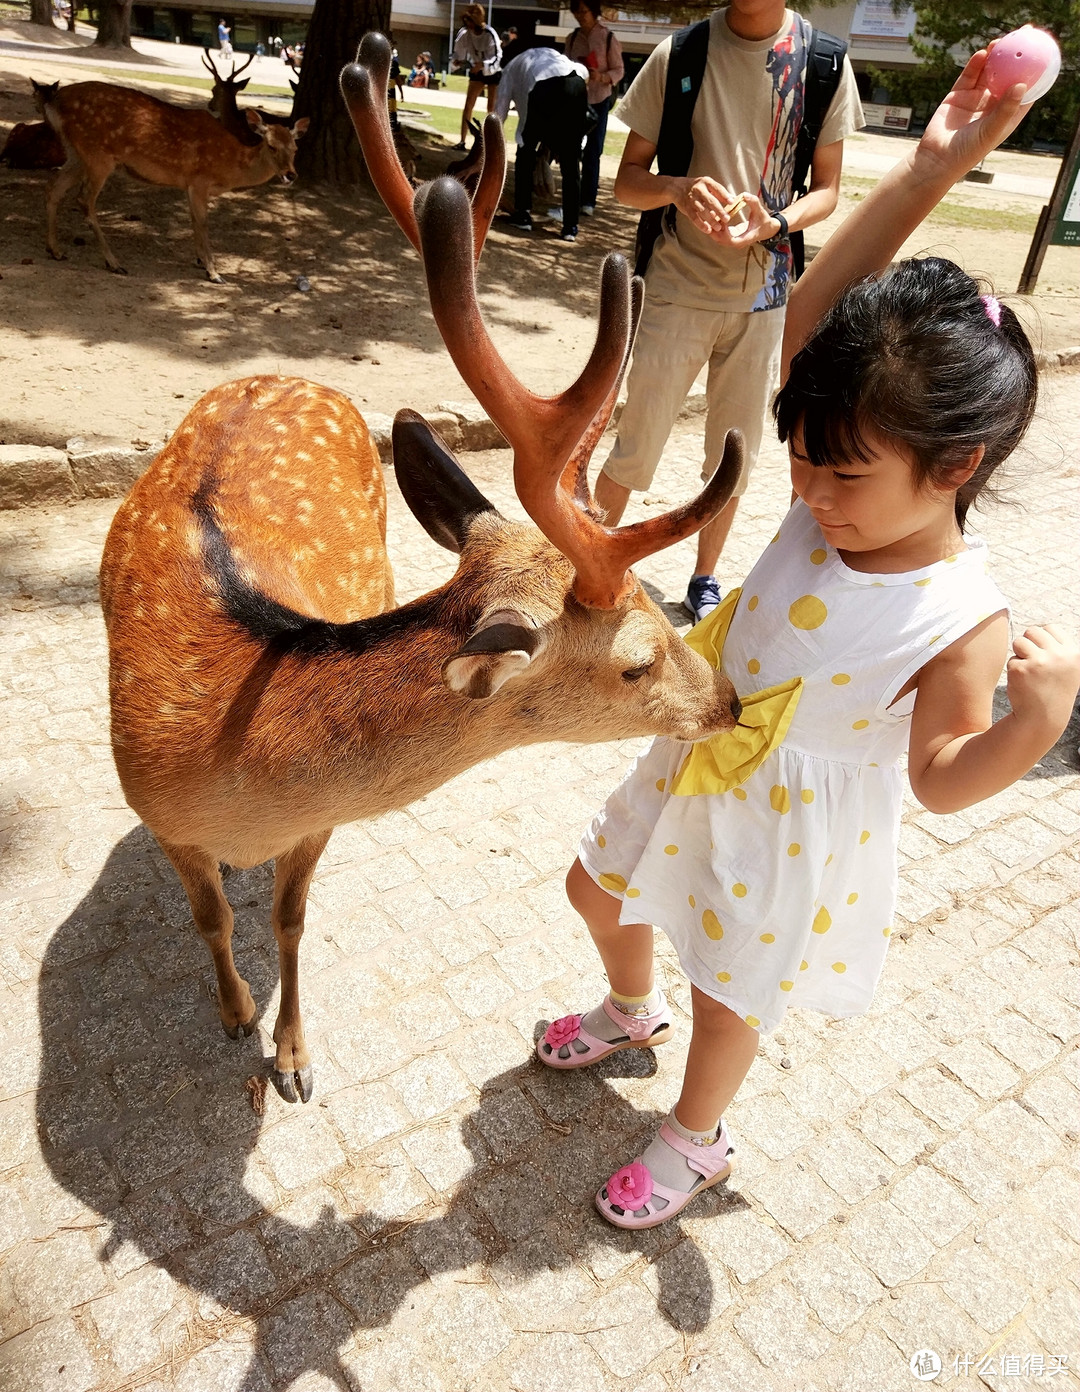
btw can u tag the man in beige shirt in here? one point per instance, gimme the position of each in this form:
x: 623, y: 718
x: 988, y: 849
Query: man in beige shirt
x: 716, y: 286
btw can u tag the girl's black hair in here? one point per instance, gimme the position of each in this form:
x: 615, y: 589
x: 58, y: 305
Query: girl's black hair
x: 914, y: 355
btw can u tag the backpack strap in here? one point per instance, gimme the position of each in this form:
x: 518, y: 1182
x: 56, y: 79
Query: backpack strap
x: 824, y: 66
x: 675, y: 143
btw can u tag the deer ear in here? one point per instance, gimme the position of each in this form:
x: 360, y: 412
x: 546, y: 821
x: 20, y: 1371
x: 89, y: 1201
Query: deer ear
x: 501, y: 648
x: 254, y: 120
x: 440, y: 495
x: 301, y: 126
x: 241, y: 85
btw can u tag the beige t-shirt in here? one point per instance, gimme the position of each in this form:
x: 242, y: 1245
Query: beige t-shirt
x: 745, y: 127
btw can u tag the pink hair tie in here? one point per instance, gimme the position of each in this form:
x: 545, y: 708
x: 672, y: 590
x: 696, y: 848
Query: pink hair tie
x: 992, y: 305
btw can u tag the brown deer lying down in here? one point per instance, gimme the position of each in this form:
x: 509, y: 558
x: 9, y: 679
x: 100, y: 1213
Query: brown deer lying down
x: 35, y: 145
x: 264, y: 688
x: 103, y: 126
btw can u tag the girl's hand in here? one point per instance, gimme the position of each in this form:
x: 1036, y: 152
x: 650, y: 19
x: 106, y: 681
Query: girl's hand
x: 1043, y: 676
x: 969, y: 123
x: 703, y: 201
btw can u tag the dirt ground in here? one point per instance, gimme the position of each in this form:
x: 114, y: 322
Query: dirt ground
x: 86, y: 352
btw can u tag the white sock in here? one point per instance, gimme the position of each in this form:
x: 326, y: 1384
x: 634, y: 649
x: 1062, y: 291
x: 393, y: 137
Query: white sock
x: 600, y: 1024
x: 667, y: 1166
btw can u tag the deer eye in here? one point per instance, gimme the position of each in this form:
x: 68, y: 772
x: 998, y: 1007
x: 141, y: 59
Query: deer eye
x: 634, y: 674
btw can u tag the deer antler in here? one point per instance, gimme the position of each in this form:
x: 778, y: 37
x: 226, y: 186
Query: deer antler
x: 363, y: 85
x: 552, y: 437
x: 236, y: 71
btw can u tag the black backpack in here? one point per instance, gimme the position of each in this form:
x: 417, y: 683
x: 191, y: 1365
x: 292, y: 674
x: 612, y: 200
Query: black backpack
x: 675, y: 144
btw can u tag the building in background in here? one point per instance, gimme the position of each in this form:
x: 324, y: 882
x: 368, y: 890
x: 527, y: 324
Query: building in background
x: 877, y: 34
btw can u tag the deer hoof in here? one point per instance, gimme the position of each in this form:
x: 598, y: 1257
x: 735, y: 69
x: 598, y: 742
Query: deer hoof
x: 296, y: 1086
x: 245, y: 1028
x: 214, y: 279
x: 58, y: 255
x: 117, y: 270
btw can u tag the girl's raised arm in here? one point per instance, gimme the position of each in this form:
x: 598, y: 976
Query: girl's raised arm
x: 967, y: 125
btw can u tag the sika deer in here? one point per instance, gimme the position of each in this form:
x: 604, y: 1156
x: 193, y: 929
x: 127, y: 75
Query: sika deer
x: 265, y: 690
x: 103, y: 126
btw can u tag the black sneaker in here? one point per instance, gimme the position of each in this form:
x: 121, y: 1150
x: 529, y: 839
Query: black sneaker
x: 523, y: 221
x: 702, y: 597
x: 568, y: 234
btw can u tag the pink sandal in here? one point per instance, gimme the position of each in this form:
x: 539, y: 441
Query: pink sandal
x: 627, y: 1199
x: 559, y: 1047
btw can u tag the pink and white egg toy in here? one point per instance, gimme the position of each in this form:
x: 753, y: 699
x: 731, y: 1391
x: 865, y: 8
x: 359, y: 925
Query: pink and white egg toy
x: 1027, y: 55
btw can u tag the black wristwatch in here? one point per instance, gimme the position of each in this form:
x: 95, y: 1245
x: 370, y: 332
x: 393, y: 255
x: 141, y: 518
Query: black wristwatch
x: 780, y: 236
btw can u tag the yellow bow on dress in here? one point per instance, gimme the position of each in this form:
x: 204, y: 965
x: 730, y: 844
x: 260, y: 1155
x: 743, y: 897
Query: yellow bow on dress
x: 722, y: 762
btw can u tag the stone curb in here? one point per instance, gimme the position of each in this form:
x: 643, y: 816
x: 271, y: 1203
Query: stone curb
x: 98, y: 466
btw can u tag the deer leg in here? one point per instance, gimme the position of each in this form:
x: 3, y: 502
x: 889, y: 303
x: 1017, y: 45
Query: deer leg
x: 201, y: 878
x: 95, y: 182
x: 62, y: 182
x: 198, y: 203
x: 292, y: 879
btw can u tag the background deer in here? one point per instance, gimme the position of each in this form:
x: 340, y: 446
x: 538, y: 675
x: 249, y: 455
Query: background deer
x: 103, y: 126
x: 34, y: 144
x: 265, y: 690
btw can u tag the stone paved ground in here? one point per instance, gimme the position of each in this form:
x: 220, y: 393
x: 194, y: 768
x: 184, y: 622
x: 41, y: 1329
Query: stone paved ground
x: 425, y: 1222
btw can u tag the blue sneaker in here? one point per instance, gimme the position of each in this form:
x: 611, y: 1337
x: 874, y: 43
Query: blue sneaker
x: 702, y: 597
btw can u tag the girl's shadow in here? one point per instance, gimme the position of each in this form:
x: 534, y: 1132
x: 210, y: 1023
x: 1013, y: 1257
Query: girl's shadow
x: 144, y: 1118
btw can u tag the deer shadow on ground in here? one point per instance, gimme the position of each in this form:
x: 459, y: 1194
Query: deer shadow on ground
x: 144, y: 1119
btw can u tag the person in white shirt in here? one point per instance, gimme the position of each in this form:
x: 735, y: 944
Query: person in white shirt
x: 478, y: 51
x: 549, y: 93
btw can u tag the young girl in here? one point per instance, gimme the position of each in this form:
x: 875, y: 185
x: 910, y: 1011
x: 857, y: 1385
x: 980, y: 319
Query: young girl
x: 868, y: 625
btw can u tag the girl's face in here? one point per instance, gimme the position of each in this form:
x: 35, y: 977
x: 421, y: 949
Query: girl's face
x: 877, y: 511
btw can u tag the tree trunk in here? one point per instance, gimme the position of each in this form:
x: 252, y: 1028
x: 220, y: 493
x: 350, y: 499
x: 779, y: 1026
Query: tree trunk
x: 330, y: 153
x: 41, y: 12
x: 114, y: 24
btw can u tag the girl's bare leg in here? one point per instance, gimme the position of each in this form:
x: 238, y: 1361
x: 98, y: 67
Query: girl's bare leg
x: 722, y: 1048
x: 626, y: 949
x: 471, y: 93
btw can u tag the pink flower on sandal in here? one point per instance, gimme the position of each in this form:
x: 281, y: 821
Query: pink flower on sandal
x: 631, y: 1187
x: 563, y: 1031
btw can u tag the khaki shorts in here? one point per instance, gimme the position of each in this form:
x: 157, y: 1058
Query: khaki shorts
x: 673, y: 344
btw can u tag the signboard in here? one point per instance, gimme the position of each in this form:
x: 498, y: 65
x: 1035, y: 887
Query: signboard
x: 1067, y: 225
x: 887, y: 117
x: 877, y: 19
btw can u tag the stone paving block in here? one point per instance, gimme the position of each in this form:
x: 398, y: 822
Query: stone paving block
x: 487, y: 1048
x: 1055, y: 1015
x: 385, y: 1188
x: 1054, y: 1323
x: 980, y: 1068
x: 980, y: 1170
x: 741, y: 1240
x: 394, y: 1361
x: 130, y: 1319
x: 1055, y: 1101
x: 833, y: 1284
x: 624, y: 1332
x: 307, y: 1236
x: 921, y: 1316
x: 815, y: 1092
x: 51, y: 1358
x: 939, y: 1210
x: 554, y: 1363
x: 774, y: 1124
x: 507, y: 1122
x: 862, y: 1064
x: 1022, y: 1043
x: 1028, y: 1245
x: 689, y: 1294
x: 797, y: 1199
x: 440, y: 1154
x: 447, y: 1243
x: 366, y: 1114
x: 888, y: 1242
x: 726, y: 1365
x: 234, y: 1269
x: 427, y: 1017
x: 461, y: 940
x: 847, y: 1164
x: 33, y: 1271
x: 904, y: 1039
x: 528, y: 963
x: 303, y: 1333
x: 299, y: 1151
x: 465, y: 1330
x: 429, y: 1085
x: 779, y: 1327
x: 478, y: 991
x: 945, y: 1014
x: 1054, y: 1193
x: 982, y: 1286
x: 515, y: 1200
x: 1023, y: 1140
x: 34, y: 474
x: 895, y: 1128
x: 938, y: 1097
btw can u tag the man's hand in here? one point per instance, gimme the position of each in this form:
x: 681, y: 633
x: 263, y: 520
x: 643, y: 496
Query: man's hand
x: 751, y: 223
x: 704, y: 201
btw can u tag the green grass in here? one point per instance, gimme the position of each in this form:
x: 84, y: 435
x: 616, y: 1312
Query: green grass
x: 955, y: 214
x: 446, y: 120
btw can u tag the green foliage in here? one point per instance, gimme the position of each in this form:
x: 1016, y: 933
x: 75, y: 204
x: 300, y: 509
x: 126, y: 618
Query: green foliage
x: 968, y: 25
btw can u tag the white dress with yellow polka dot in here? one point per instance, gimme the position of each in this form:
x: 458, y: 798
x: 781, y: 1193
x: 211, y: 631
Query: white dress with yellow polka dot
x: 781, y: 891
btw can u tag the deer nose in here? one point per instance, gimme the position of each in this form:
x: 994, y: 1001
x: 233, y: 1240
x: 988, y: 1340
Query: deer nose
x: 288, y: 177
x: 736, y: 708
